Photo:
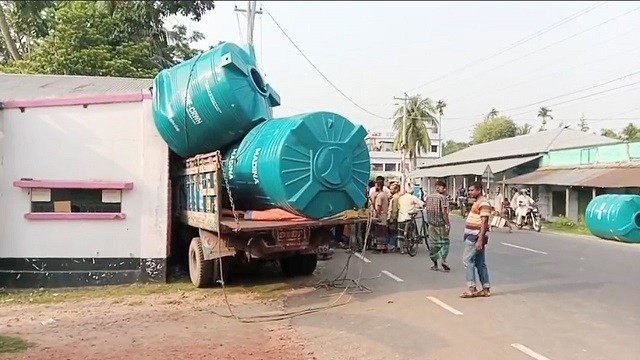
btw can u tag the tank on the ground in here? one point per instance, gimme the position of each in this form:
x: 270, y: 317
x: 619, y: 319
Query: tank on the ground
x: 315, y: 165
x: 614, y: 217
x: 212, y: 100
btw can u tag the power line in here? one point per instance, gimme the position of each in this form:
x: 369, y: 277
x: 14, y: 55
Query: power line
x: 320, y: 72
x: 573, y: 92
x: 514, y: 45
x: 548, y: 46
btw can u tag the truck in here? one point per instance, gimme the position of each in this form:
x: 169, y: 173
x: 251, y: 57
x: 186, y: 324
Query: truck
x: 219, y: 239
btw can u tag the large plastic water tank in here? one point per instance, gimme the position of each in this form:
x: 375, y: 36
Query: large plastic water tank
x: 212, y: 100
x: 315, y: 165
x: 614, y: 217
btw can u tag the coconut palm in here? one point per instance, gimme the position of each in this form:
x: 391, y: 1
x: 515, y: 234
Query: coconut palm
x: 421, y: 116
x: 492, y: 114
x: 523, y: 129
x: 544, y: 113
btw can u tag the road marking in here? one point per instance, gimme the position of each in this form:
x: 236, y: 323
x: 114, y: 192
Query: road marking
x: 392, y: 276
x: 529, y: 352
x: 524, y: 248
x: 444, y: 306
x: 359, y: 256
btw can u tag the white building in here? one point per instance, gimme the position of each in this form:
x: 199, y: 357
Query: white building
x: 83, y: 182
x: 387, y: 162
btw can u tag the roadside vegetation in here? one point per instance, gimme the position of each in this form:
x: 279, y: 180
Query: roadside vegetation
x: 11, y: 344
x: 567, y: 225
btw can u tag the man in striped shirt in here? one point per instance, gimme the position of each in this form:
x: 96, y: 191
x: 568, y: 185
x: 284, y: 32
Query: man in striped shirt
x: 475, y: 242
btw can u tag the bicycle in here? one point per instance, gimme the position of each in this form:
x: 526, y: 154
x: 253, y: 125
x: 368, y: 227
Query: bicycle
x: 415, y: 235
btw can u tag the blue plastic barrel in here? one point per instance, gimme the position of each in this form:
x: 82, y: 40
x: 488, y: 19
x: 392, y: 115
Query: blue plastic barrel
x: 314, y: 165
x: 212, y: 100
x: 614, y: 217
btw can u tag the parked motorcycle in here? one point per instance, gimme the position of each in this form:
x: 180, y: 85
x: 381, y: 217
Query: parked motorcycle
x: 532, y: 219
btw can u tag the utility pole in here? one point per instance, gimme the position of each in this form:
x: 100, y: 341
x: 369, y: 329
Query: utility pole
x: 251, y: 12
x: 403, y: 177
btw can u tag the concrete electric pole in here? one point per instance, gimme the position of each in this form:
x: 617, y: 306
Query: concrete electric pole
x: 251, y: 12
x: 403, y: 160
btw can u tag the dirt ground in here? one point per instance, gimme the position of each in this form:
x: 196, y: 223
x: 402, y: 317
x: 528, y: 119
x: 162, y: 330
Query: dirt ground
x: 157, y: 326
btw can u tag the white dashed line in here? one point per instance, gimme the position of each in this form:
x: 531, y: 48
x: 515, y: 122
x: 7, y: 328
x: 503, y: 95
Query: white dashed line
x: 392, y: 276
x: 359, y: 256
x: 524, y: 248
x: 444, y: 306
x: 529, y: 352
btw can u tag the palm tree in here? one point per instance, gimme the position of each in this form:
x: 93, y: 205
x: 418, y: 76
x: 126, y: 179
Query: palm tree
x: 523, y: 129
x: 420, y: 118
x: 440, y: 105
x: 544, y: 113
x: 493, y: 113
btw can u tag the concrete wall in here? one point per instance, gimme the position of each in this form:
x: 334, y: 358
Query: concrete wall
x: 116, y: 142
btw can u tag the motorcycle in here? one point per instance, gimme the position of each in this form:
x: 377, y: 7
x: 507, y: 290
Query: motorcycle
x: 532, y: 219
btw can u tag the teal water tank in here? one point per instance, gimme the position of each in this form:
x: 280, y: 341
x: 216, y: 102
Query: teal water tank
x: 614, y: 217
x: 211, y: 100
x: 314, y: 165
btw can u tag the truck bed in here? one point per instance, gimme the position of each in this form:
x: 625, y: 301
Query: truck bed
x: 228, y: 224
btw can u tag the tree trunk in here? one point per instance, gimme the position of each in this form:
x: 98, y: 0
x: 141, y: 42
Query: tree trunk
x: 6, y: 34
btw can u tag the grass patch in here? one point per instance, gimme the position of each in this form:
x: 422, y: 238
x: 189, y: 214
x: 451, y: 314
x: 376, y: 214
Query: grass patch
x: 11, y: 344
x: 261, y: 290
x: 568, y: 226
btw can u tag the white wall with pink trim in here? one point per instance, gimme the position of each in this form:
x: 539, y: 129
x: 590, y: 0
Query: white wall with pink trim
x: 114, y: 142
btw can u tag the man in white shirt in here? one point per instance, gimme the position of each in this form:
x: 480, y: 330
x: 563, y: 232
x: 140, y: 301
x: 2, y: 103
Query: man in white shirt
x: 524, y: 202
x: 386, y: 190
x: 407, y: 204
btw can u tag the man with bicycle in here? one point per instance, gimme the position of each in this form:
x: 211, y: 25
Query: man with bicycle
x: 437, y: 211
x: 407, y: 204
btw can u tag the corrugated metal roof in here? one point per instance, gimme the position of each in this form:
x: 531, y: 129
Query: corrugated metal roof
x: 477, y: 168
x: 26, y: 87
x: 599, y: 177
x: 536, y: 143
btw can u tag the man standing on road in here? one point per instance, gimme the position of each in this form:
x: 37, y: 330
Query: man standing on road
x: 381, y: 207
x: 437, y: 211
x: 475, y: 242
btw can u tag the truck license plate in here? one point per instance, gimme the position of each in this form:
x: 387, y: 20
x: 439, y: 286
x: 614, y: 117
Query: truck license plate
x: 291, y: 237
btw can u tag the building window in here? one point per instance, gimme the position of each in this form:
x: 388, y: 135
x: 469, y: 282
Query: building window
x: 376, y: 167
x: 587, y: 156
x: 390, y: 167
x: 434, y: 148
x: 74, y: 199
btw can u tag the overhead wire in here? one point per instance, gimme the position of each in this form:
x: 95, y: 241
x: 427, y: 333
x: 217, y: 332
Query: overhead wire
x: 347, y: 97
x: 550, y: 45
x: 513, y: 46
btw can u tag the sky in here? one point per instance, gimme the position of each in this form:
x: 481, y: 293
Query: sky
x: 572, y: 57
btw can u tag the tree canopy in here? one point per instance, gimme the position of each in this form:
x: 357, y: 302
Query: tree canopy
x: 494, y: 128
x: 420, y: 118
x: 100, y: 38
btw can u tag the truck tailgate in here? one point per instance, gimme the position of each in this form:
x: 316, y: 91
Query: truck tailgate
x: 228, y: 224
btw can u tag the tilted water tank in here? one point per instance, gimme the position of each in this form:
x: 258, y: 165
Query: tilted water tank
x: 212, y: 100
x: 614, y: 217
x: 314, y: 165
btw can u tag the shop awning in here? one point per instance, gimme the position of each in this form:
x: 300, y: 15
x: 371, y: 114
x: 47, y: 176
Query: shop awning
x: 598, y: 177
x: 479, y: 168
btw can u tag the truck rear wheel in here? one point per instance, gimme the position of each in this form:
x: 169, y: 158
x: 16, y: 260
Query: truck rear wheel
x: 200, y: 270
x: 299, y: 265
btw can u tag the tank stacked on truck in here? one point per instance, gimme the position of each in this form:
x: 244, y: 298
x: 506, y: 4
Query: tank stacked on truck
x: 315, y: 164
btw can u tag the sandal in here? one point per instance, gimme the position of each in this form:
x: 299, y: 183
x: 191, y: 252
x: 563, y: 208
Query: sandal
x: 445, y: 267
x: 471, y: 293
x: 483, y: 293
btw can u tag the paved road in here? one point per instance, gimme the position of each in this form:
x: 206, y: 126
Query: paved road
x: 554, y: 297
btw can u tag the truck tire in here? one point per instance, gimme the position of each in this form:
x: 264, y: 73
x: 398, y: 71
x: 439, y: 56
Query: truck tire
x: 299, y: 265
x: 227, y: 268
x: 200, y: 270
x: 308, y: 264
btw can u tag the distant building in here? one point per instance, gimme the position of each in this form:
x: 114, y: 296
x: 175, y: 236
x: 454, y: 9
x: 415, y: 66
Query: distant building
x: 495, y: 162
x: 387, y: 162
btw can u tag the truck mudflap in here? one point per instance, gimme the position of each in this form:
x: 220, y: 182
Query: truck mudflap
x: 213, y: 247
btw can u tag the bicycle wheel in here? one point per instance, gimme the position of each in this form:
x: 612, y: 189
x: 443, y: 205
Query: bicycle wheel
x: 412, y: 248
